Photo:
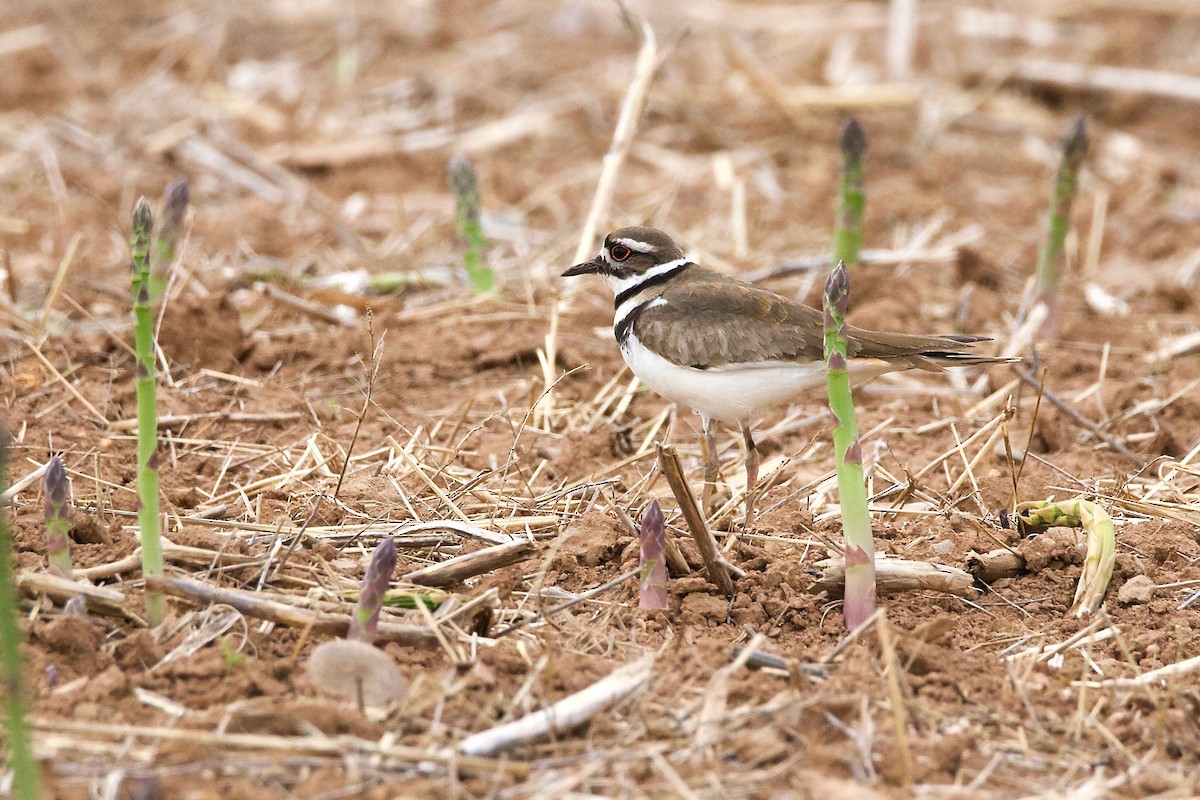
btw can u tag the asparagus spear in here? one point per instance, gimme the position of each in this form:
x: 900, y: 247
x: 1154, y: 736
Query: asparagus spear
x: 1102, y: 543
x: 470, y: 212
x: 26, y: 782
x: 1050, y: 257
x: 653, y: 563
x: 58, y: 521
x: 852, y: 200
x: 174, y: 207
x: 147, y: 408
x: 852, y: 490
x: 373, y: 591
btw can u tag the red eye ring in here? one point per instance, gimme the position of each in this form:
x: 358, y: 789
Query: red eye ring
x: 620, y: 252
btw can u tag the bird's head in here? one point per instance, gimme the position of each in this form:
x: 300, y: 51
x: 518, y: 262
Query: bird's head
x: 630, y: 253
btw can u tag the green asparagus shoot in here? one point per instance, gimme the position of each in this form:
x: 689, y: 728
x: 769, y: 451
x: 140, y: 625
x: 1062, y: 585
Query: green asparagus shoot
x: 26, y: 783
x: 852, y: 489
x: 174, y: 207
x: 1050, y: 257
x: 470, y: 213
x: 58, y: 517
x: 652, y: 560
x: 373, y: 591
x: 147, y: 408
x: 852, y: 200
x: 1102, y: 543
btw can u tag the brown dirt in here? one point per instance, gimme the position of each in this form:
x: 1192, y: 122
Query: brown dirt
x: 105, y: 105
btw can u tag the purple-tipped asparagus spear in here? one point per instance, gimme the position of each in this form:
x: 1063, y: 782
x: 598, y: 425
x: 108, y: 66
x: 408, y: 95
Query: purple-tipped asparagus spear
x: 653, y: 578
x: 374, y: 586
x: 58, y: 517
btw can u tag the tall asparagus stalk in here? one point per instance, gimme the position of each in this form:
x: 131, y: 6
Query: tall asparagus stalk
x: 470, y: 227
x: 1050, y: 257
x: 147, y: 408
x: 852, y: 488
x: 26, y: 783
x: 58, y: 519
x: 852, y: 199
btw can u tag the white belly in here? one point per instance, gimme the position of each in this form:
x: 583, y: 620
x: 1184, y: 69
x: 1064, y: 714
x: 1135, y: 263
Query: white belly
x: 733, y: 393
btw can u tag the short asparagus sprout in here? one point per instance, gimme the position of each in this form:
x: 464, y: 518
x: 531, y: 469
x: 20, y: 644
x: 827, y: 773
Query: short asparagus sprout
x: 470, y: 214
x: 147, y: 409
x: 652, y: 560
x: 1050, y: 257
x: 852, y: 199
x: 58, y: 517
x: 26, y: 781
x: 1101, y: 537
x: 166, y: 242
x: 372, y: 594
x: 859, y: 601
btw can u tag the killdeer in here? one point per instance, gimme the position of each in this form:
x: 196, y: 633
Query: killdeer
x: 731, y: 350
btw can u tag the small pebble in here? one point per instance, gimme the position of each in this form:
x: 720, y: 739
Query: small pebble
x: 1138, y: 589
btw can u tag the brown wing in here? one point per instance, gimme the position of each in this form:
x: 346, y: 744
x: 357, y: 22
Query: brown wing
x: 711, y: 320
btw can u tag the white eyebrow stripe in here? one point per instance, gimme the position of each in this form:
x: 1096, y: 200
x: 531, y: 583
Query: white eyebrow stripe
x: 634, y: 244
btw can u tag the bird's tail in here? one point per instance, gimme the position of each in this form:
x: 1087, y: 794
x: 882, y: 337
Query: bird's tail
x: 959, y: 353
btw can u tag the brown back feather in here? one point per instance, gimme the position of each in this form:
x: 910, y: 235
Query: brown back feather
x: 734, y: 322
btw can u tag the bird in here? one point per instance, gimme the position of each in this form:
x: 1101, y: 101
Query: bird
x: 731, y: 350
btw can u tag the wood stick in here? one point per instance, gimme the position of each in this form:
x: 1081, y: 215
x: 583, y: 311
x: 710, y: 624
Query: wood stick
x: 102, y: 571
x: 171, y: 420
x: 902, y: 33
x: 1110, y: 79
x: 468, y: 565
x: 996, y: 564
x: 622, y: 139
x: 632, y: 106
x: 336, y: 747
x: 254, y: 605
x: 718, y: 568
x: 17, y: 487
x: 568, y: 713
x: 99, y: 598
x: 895, y: 575
x: 1146, y: 678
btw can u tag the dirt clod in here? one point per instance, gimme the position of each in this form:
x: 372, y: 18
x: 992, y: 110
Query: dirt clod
x: 1138, y: 589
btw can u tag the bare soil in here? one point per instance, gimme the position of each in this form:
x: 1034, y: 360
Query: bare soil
x: 316, y: 138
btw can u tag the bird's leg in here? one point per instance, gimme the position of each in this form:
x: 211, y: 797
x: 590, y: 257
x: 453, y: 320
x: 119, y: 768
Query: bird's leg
x: 712, y: 469
x: 751, y: 472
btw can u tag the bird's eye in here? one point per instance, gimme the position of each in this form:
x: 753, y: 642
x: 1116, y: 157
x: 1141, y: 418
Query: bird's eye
x: 620, y: 252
